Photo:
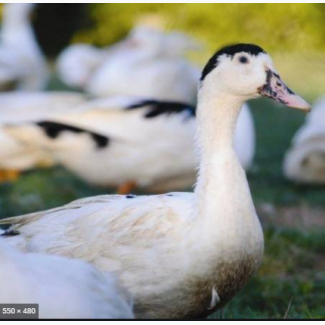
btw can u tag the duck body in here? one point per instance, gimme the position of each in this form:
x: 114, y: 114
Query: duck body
x: 22, y: 65
x: 172, y: 79
x: 62, y: 287
x: 25, y: 106
x: 117, y: 152
x: 134, y: 149
x: 77, y: 63
x: 16, y: 156
x: 149, y: 64
x: 179, y: 254
x: 305, y: 160
x: 163, y: 243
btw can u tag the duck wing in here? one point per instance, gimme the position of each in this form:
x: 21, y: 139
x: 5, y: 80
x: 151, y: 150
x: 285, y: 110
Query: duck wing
x: 102, y: 228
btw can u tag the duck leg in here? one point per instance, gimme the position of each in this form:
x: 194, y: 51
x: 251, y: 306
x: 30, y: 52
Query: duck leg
x: 126, y: 187
x: 8, y: 175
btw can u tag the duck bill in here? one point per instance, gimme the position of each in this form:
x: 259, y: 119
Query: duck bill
x: 276, y: 89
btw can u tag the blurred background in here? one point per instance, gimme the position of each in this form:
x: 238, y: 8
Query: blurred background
x: 291, y: 281
x: 293, y: 33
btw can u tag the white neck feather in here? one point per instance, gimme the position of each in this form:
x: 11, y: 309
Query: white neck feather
x: 16, y: 30
x: 17, y: 36
x: 225, y: 212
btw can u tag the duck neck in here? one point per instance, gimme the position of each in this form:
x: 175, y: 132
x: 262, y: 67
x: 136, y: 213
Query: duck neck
x: 17, y: 36
x: 16, y: 31
x: 223, y: 199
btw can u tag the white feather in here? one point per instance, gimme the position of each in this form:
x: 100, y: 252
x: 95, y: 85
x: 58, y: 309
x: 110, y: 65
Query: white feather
x: 77, y: 63
x: 148, y: 63
x: 305, y: 160
x: 62, y: 288
x: 25, y: 106
x: 21, y: 62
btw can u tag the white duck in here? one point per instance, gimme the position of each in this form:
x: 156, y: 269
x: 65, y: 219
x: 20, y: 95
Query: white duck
x: 179, y: 254
x: 102, y: 73
x: 63, y: 288
x: 124, y: 136
x: 22, y: 64
x: 305, y: 160
x: 26, y: 106
x: 76, y: 64
x: 151, y: 66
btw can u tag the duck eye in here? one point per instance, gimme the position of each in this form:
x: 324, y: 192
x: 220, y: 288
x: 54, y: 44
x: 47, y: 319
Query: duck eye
x: 243, y: 59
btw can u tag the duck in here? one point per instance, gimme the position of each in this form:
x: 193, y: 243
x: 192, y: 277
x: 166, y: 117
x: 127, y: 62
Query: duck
x: 16, y: 157
x: 304, y: 162
x: 182, y: 254
x: 62, y: 287
x: 22, y: 64
x: 125, y: 135
x: 146, y: 54
x: 150, y: 66
x: 76, y: 64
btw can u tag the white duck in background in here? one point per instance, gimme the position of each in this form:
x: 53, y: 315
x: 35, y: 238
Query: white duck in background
x: 179, y: 254
x: 63, y: 288
x: 148, y: 58
x: 22, y: 65
x: 128, y: 143
x: 152, y: 66
x: 23, y: 106
x: 76, y: 64
x: 305, y: 160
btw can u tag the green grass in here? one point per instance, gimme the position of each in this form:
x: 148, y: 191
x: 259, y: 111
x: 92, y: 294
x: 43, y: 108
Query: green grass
x: 275, y: 127
x: 41, y: 190
x: 291, y: 280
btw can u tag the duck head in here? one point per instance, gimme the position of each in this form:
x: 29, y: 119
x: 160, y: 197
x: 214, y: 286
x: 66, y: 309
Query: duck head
x: 247, y: 71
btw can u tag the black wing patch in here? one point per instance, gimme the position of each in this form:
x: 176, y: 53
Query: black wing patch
x: 157, y: 108
x: 54, y: 129
x: 230, y: 50
x: 10, y: 233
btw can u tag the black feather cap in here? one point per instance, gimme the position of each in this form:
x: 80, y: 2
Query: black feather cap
x: 230, y: 50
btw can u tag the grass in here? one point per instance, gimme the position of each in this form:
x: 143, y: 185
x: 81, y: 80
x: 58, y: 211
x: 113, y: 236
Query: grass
x: 291, y: 280
x: 275, y: 127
